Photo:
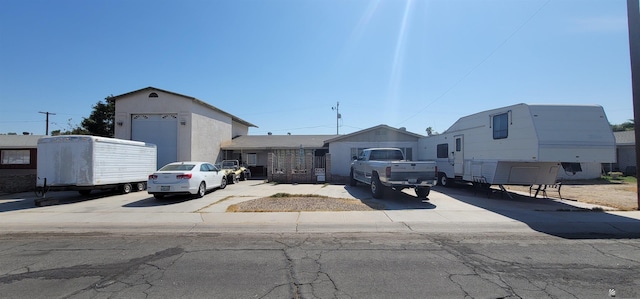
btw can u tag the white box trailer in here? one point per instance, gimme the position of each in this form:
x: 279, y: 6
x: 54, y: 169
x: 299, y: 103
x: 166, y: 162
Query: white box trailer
x: 85, y: 163
x: 520, y: 144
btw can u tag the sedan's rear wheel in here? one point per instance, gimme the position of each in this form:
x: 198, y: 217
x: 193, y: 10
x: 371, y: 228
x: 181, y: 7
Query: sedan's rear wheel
x: 202, y: 189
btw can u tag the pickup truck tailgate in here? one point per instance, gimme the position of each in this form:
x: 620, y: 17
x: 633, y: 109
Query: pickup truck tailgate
x: 412, y: 171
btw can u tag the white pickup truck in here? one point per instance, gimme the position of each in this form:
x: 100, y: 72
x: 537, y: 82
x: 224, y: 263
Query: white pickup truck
x: 384, y: 168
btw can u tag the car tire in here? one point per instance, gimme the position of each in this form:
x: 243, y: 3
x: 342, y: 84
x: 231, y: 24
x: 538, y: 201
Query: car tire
x: 158, y: 196
x: 423, y: 192
x: 377, y: 189
x: 352, y: 180
x: 202, y: 189
x: 223, y: 184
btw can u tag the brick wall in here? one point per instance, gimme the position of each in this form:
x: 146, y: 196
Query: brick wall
x: 14, y: 183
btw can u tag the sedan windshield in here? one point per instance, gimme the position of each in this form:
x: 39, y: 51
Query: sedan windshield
x: 171, y: 167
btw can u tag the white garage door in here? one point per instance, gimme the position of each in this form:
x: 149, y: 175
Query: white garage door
x: 159, y: 129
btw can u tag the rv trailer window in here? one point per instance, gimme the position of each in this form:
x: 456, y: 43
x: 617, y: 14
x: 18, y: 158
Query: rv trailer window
x: 501, y: 126
x: 458, y: 144
x: 443, y: 150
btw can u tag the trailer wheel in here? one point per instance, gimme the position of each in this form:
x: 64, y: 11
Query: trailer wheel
x: 377, y: 189
x: 126, y: 188
x: 352, y: 181
x: 423, y: 192
x: 202, y: 189
x: 443, y: 180
x: 141, y: 186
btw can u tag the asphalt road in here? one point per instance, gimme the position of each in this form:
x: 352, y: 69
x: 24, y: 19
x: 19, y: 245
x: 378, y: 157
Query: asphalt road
x: 458, y: 244
x: 349, y: 265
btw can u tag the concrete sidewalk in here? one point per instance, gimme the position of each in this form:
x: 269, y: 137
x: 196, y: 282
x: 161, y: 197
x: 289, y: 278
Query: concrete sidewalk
x: 449, y: 210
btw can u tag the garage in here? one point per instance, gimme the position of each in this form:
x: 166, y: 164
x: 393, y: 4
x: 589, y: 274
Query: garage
x: 159, y: 129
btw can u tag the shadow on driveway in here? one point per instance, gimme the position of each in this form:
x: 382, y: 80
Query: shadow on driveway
x: 391, y: 200
x: 549, y: 216
x: 26, y: 200
x: 153, y: 202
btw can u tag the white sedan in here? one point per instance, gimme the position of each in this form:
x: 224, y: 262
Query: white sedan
x: 185, y: 178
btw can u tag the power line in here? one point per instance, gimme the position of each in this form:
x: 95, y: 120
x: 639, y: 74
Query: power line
x: 47, y: 113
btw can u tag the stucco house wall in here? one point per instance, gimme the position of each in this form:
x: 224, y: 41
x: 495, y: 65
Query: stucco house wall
x: 201, y: 128
x: 341, y: 157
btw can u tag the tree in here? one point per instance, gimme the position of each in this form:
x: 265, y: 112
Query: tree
x: 626, y: 126
x: 101, y: 120
x: 99, y: 123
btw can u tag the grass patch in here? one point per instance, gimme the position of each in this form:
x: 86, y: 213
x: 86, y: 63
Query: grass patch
x: 620, y: 179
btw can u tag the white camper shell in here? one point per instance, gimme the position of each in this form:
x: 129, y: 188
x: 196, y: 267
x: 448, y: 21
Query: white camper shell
x: 520, y: 144
x: 84, y: 163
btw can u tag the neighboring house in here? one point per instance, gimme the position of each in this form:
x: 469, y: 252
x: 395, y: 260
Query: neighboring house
x: 18, y: 162
x: 313, y: 158
x: 343, y: 148
x: 281, y: 158
x: 182, y: 127
x: 625, y: 152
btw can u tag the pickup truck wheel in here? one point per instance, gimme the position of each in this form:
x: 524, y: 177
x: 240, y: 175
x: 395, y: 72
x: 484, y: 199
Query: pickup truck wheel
x: 377, y: 189
x: 443, y: 180
x: 352, y: 181
x: 423, y: 192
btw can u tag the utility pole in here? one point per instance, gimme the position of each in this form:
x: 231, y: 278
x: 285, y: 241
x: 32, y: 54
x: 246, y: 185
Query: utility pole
x: 47, y: 113
x: 338, y: 116
x: 633, y: 21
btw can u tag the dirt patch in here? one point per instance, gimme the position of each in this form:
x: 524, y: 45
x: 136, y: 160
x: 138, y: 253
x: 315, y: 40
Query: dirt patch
x: 306, y: 203
x: 621, y: 196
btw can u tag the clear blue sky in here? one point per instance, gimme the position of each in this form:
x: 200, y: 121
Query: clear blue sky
x: 283, y: 65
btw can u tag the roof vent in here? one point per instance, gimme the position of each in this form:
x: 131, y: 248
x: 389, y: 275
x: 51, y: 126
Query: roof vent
x: 402, y: 129
x: 153, y: 95
x: 269, y: 133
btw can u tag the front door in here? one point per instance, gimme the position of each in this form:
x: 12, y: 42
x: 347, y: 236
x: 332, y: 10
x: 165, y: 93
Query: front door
x: 458, y: 159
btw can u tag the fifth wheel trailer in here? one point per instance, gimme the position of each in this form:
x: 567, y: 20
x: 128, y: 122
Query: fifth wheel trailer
x: 84, y: 163
x: 520, y: 145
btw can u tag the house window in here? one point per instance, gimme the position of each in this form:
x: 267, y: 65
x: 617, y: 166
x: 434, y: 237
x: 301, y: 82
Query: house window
x: 252, y: 159
x: 501, y: 126
x: 443, y: 150
x: 15, y: 157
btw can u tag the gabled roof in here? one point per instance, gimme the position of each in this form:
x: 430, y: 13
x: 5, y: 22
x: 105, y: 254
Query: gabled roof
x: 625, y: 137
x: 150, y: 88
x: 401, y: 131
x: 19, y: 141
x: 262, y: 142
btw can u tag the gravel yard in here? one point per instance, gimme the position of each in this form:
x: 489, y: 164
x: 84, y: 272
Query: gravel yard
x: 620, y: 196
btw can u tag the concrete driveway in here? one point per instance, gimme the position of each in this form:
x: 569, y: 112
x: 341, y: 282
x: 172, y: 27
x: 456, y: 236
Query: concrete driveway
x: 447, y: 210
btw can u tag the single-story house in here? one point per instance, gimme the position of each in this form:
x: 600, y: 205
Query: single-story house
x: 183, y: 128
x: 625, y: 152
x: 313, y: 158
x: 18, y: 162
x: 281, y: 158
